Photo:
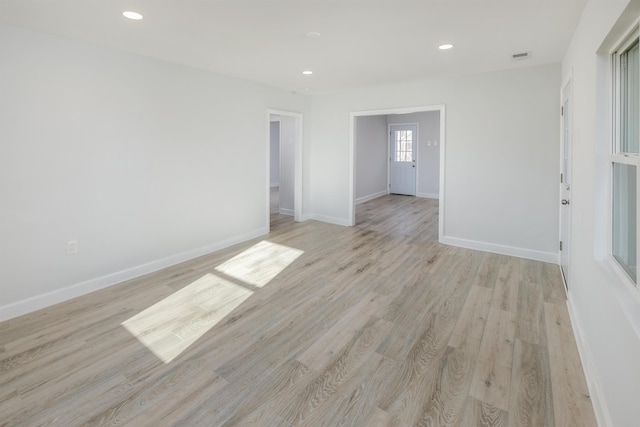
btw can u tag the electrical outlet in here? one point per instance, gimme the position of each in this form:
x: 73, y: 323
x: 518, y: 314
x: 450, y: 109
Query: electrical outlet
x: 72, y: 247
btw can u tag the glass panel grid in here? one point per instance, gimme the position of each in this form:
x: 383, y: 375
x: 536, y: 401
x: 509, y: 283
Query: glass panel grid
x: 404, y: 146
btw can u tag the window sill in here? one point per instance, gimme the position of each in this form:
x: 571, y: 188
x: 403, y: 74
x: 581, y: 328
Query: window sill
x: 627, y: 295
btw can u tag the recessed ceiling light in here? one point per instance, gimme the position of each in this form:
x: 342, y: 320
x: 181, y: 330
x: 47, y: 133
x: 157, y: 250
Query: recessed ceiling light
x: 132, y: 15
x: 307, y: 72
x: 313, y: 34
x: 445, y: 46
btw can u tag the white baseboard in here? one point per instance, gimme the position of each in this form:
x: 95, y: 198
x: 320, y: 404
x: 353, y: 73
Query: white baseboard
x: 330, y: 219
x: 275, y: 184
x: 501, y: 249
x: 371, y: 197
x: 428, y: 195
x: 38, y: 302
x: 305, y: 217
x: 603, y: 417
x: 284, y: 211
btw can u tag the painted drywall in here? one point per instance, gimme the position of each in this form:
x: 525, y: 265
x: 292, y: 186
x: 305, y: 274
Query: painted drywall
x: 428, y: 156
x: 605, y: 313
x: 274, y: 156
x: 288, y: 133
x: 501, y: 160
x: 143, y: 162
x: 371, y: 157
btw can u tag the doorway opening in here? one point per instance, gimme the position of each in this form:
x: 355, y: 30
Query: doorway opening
x: 381, y: 159
x: 284, y: 167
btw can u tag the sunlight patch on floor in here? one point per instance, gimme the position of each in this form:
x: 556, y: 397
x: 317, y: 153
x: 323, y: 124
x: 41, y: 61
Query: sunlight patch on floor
x: 259, y: 264
x: 170, y: 326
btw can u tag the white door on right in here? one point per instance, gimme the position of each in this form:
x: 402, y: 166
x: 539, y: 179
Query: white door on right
x: 402, y: 159
x: 565, y: 185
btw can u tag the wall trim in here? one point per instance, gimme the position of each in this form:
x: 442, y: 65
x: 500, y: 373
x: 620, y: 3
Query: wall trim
x: 428, y: 195
x: 535, y: 255
x: 603, y: 418
x: 371, y: 197
x: 38, y: 302
x: 330, y: 219
x: 284, y: 211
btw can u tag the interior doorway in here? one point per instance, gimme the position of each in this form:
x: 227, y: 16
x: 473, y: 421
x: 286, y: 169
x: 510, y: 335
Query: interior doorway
x: 373, y: 163
x: 284, y: 165
x: 274, y: 164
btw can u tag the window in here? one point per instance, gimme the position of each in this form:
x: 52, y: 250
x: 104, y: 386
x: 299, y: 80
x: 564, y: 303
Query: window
x: 404, y: 146
x: 624, y: 157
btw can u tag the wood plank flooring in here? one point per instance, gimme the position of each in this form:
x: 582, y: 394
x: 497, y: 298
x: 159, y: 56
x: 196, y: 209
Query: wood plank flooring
x: 374, y: 325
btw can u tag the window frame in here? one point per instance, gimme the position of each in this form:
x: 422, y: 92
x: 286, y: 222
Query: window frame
x: 616, y: 156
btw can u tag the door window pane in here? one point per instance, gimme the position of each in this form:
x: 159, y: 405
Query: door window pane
x: 624, y: 217
x: 404, y: 146
x: 629, y: 97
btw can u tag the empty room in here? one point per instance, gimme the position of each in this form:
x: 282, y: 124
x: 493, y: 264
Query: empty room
x: 322, y: 213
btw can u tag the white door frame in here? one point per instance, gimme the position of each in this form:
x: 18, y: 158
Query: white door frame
x: 416, y: 147
x: 352, y: 156
x: 297, y: 168
x: 565, y: 94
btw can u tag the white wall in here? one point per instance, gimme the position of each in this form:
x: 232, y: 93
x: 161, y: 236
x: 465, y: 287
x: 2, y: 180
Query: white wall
x: 144, y: 162
x: 371, y: 157
x: 428, y: 159
x: 288, y: 135
x: 274, y: 156
x: 501, y: 155
x: 605, y: 314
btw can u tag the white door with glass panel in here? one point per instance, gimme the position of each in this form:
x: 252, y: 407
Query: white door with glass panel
x: 565, y: 184
x: 402, y: 159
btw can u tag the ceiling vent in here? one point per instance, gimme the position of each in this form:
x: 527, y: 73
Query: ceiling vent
x: 520, y: 56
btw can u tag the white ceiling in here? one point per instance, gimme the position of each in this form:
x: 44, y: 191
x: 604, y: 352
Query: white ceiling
x: 363, y: 42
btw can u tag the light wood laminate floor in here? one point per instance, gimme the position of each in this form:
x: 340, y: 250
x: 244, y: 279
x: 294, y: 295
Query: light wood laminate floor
x: 314, y: 324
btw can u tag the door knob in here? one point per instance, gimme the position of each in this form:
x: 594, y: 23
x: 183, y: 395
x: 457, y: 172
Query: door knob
x: 565, y: 202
